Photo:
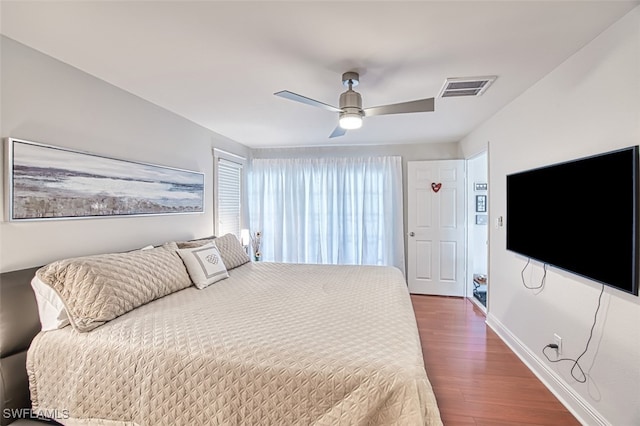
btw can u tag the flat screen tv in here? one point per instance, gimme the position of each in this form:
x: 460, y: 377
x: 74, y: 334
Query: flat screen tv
x: 580, y: 216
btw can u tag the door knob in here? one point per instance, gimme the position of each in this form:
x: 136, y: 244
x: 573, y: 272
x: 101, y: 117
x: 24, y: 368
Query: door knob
x: 411, y: 234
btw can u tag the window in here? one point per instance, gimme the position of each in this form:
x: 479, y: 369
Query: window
x: 228, y: 193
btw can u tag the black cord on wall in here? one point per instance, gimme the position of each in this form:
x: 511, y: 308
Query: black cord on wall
x: 576, y: 365
x: 542, y: 281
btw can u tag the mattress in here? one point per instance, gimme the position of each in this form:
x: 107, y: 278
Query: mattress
x: 274, y: 344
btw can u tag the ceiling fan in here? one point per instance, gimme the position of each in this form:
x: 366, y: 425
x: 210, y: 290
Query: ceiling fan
x: 351, y: 112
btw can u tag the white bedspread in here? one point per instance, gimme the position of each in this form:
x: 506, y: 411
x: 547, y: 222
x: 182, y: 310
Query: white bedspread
x: 274, y: 344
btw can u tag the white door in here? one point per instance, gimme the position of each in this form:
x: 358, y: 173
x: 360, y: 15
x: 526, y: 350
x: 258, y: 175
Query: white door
x: 436, y: 225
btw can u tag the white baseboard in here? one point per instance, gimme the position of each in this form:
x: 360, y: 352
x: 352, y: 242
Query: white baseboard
x: 581, y: 409
x: 478, y: 304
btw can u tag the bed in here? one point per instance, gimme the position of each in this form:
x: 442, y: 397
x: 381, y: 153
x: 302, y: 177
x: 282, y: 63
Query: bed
x: 272, y: 344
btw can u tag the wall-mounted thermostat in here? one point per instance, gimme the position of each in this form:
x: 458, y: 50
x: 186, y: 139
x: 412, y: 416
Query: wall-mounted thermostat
x: 481, y: 186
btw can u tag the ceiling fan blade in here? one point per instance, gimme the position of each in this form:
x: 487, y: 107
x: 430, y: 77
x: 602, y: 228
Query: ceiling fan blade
x: 303, y: 99
x: 421, y: 105
x: 338, y: 131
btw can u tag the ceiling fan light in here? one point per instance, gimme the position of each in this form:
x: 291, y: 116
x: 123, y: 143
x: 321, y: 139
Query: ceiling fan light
x: 350, y: 121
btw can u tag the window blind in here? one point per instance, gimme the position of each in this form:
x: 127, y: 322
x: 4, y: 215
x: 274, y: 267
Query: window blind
x: 229, y: 202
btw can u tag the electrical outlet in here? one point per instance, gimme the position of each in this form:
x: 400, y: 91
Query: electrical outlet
x: 558, y: 341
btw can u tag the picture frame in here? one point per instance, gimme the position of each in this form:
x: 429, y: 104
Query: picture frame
x: 46, y: 182
x: 480, y: 186
x: 481, y: 203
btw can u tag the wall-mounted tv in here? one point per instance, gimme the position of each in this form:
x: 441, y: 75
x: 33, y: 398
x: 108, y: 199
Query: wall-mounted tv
x: 580, y: 216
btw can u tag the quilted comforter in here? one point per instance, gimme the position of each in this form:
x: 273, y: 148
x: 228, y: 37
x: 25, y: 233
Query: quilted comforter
x: 274, y: 344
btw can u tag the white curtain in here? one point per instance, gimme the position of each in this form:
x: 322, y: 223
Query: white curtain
x: 328, y: 210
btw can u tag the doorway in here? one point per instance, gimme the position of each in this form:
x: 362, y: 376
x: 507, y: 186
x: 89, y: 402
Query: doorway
x: 478, y: 229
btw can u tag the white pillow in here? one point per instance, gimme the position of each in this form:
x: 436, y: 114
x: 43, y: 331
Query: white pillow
x: 204, y: 264
x: 53, y: 314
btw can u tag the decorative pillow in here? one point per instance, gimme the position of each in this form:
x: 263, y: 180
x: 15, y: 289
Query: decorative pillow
x: 97, y: 289
x: 195, y: 243
x: 53, y: 314
x: 231, y: 250
x: 204, y: 264
x: 171, y: 246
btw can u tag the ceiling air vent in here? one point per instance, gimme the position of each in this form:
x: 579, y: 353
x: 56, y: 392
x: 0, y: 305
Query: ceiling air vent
x: 466, y: 86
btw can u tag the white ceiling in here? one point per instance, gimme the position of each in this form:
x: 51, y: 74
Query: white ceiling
x: 219, y: 63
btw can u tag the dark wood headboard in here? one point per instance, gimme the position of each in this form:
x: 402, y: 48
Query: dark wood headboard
x: 19, y: 323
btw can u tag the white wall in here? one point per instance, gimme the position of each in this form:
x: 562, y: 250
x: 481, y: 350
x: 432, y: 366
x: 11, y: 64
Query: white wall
x: 588, y: 105
x: 47, y: 101
x: 408, y: 152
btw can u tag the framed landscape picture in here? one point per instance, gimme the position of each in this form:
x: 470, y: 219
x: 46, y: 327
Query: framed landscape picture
x: 48, y: 182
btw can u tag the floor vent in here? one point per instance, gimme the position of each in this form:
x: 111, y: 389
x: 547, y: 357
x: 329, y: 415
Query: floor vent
x: 465, y: 86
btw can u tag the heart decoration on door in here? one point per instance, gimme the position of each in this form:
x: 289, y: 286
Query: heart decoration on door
x: 436, y: 186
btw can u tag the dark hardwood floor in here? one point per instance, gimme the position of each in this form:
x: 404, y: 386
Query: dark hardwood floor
x: 477, y: 379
